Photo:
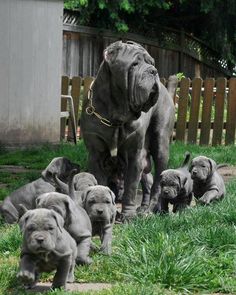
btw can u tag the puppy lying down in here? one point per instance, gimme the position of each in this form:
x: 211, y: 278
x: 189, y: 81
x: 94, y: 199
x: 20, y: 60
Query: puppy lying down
x: 47, y: 246
x: 76, y: 221
x: 176, y: 187
x: 208, y: 184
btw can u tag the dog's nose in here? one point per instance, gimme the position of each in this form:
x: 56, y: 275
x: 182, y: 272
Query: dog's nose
x: 194, y: 172
x: 40, y: 239
x: 165, y: 192
x: 99, y: 211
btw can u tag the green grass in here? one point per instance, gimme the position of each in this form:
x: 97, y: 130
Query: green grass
x: 189, y: 253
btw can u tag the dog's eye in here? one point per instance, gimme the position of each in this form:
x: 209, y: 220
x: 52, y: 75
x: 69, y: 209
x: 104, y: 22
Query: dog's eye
x: 50, y: 228
x: 31, y: 228
x: 91, y: 201
x: 108, y: 202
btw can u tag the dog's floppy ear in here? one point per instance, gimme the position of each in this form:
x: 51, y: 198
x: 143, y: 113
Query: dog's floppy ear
x: 23, y: 220
x: 182, y: 180
x: 85, y: 194
x: 59, y: 219
x: 213, y: 166
x: 113, y: 197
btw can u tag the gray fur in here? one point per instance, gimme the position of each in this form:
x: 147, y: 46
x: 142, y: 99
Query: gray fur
x: 128, y: 93
x: 77, y: 222
x: 26, y: 195
x: 176, y: 188
x: 99, y: 203
x: 47, y: 246
x: 208, y: 185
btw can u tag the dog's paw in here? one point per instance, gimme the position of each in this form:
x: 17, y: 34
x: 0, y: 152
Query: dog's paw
x: 27, y: 278
x: 84, y: 261
x: 143, y: 209
x: 204, y: 201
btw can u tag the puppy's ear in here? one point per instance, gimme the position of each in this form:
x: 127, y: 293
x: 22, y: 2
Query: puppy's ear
x: 22, y: 210
x: 59, y: 219
x: 85, y: 194
x: 213, y: 166
x: 37, y: 201
x: 113, y: 197
x: 69, y: 208
x: 182, y: 180
x: 23, y: 220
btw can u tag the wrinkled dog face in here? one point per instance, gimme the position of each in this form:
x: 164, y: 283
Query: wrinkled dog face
x: 171, y: 183
x: 132, y: 70
x: 60, y: 166
x: 40, y: 229
x: 201, y: 168
x: 99, y: 202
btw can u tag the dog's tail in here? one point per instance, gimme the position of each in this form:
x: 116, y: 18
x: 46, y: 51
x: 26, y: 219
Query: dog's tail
x: 186, y: 159
x: 71, y: 184
x: 172, y: 85
x: 221, y: 166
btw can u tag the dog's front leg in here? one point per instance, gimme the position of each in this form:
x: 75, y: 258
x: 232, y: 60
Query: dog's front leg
x: 96, y: 167
x: 62, y: 273
x: 106, y: 240
x: 27, y: 272
x: 131, y: 181
x: 209, y: 197
x: 83, y: 251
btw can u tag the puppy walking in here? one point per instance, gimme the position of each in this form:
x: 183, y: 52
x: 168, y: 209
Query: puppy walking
x: 208, y: 185
x: 176, y: 188
x: 47, y: 246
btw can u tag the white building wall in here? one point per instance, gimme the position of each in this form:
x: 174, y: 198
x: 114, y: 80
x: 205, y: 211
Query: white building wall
x: 30, y: 71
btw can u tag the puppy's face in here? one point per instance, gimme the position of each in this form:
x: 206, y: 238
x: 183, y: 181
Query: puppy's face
x: 60, y: 166
x: 84, y: 180
x: 40, y: 229
x: 202, y: 168
x: 172, y: 182
x: 99, y: 202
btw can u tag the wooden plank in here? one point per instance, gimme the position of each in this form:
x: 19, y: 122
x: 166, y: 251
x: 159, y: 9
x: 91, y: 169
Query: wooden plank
x: 194, y: 110
x: 65, y: 81
x: 231, y: 113
x: 87, y: 82
x: 76, y: 83
x: 206, y: 111
x: 219, y: 111
x: 182, y: 109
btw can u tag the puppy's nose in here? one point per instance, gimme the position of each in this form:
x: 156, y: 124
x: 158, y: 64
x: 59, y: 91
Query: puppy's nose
x: 166, y: 192
x: 40, y: 239
x: 194, y: 172
x: 99, y: 211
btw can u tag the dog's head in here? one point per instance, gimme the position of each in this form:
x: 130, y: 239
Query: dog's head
x: 60, y: 166
x: 202, y: 168
x: 8, y: 212
x: 99, y: 202
x: 83, y: 180
x: 41, y: 229
x: 172, y: 183
x: 134, y: 81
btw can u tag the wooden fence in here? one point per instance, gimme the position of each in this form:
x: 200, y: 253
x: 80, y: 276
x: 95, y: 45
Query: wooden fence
x: 205, y: 110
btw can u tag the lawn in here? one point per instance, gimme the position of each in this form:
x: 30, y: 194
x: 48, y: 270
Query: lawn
x: 189, y: 253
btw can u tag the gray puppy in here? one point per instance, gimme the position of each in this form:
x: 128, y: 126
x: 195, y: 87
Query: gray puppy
x: 176, y: 188
x: 208, y: 185
x: 26, y: 195
x: 77, y: 222
x: 47, y: 246
x: 78, y: 183
x: 99, y: 203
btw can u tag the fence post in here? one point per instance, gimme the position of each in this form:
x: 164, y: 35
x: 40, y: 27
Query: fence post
x: 206, y: 111
x: 219, y: 111
x: 65, y: 81
x: 231, y: 113
x: 194, y: 110
x: 76, y: 83
x: 182, y: 109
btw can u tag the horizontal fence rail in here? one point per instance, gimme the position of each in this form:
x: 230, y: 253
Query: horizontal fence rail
x: 205, y: 109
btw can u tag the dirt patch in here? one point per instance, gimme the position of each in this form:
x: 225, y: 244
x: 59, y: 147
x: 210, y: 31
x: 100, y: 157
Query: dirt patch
x: 83, y: 287
x: 228, y: 173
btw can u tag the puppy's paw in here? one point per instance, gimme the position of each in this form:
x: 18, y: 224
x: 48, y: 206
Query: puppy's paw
x: 27, y: 278
x: 204, y: 201
x: 84, y: 261
x: 143, y: 209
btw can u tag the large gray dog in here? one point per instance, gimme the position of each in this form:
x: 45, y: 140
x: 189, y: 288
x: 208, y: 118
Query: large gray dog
x: 176, y: 188
x: 47, y: 246
x: 208, y: 185
x: 77, y: 222
x: 128, y: 111
x: 10, y: 208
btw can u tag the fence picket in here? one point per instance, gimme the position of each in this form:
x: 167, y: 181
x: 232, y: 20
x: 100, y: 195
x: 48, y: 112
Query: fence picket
x: 206, y: 111
x: 194, y: 110
x: 65, y: 81
x: 219, y: 111
x: 76, y: 83
x: 182, y: 109
x: 231, y: 113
